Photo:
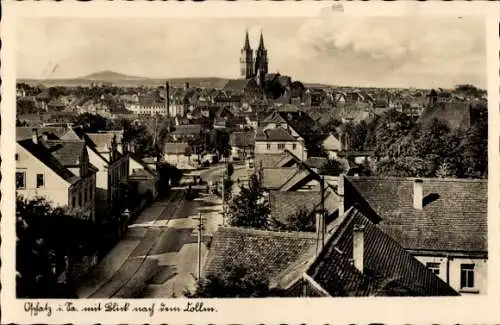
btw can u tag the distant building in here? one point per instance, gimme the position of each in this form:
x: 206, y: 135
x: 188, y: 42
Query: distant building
x: 179, y: 154
x: 276, y: 140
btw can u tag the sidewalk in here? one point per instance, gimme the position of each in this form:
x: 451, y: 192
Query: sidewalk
x: 116, y: 258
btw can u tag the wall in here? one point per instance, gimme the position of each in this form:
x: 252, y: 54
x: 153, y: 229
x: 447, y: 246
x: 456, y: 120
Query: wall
x: 101, y: 196
x: 480, y: 272
x: 55, y: 188
x: 177, y: 159
x: 299, y: 151
x: 85, y: 188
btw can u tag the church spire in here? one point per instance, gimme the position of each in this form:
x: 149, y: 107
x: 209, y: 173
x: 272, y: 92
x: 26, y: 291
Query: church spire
x: 261, y: 42
x: 247, y: 42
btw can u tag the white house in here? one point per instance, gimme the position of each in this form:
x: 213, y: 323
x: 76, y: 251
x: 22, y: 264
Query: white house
x: 332, y: 146
x: 112, y: 166
x: 59, y: 171
x: 276, y: 140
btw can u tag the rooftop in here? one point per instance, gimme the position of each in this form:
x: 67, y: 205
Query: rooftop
x: 275, y: 134
x: 388, y: 269
x: 453, y: 217
x: 265, y: 252
x: 47, y: 158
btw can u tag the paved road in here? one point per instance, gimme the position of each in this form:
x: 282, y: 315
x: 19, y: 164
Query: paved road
x: 158, y: 252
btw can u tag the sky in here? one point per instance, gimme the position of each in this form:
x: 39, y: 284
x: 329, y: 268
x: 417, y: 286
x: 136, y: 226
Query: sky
x: 413, y: 51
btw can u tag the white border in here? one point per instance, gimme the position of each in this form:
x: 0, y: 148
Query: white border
x: 482, y: 309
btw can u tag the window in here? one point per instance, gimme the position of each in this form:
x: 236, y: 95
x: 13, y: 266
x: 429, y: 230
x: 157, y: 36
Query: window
x: 80, y: 199
x: 40, y: 182
x: 17, y: 156
x: 434, y: 267
x: 20, y: 180
x: 73, y: 202
x: 467, y: 276
x: 281, y: 146
x: 86, y: 197
x: 294, y: 146
x: 268, y: 146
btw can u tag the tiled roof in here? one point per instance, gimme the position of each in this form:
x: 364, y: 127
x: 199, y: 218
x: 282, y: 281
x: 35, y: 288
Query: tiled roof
x: 44, y: 155
x: 274, y: 117
x: 269, y: 160
x: 142, y: 173
x: 103, y: 140
x: 24, y: 132
x: 178, y: 148
x: 67, y: 152
x: 276, y: 134
x: 453, y: 218
x: 284, y: 204
x: 267, y: 253
x: 187, y: 129
x: 275, y: 178
x: 386, y: 265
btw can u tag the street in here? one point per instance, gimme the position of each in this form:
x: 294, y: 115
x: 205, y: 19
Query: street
x: 158, y: 256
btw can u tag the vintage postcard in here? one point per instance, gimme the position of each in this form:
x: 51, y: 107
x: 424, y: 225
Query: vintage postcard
x: 251, y: 162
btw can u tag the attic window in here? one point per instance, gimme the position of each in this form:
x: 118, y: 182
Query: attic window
x: 17, y: 156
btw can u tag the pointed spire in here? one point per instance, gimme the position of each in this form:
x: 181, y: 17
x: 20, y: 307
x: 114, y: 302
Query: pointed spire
x: 247, y: 42
x: 261, y: 42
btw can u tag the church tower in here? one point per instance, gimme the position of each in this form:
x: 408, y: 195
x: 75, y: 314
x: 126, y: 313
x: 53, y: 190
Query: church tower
x: 261, y: 61
x: 246, y: 60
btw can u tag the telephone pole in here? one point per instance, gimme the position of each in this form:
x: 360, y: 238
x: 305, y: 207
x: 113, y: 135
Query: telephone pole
x: 200, y: 230
x: 223, y: 202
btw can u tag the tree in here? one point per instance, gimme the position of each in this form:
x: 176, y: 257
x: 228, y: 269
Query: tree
x: 235, y: 281
x: 92, y: 122
x: 302, y: 220
x: 48, y: 240
x: 332, y: 168
x: 249, y: 208
x: 220, y: 142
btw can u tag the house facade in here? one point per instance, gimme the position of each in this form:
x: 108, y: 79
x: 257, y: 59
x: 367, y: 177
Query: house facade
x: 332, y: 146
x: 65, y: 178
x: 112, y: 168
x: 277, y: 140
x: 179, y: 154
x: 146, y: 178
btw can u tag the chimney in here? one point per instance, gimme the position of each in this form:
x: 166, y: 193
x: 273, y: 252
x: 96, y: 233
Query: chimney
x: 167, y: 98
x: 319, y: 233
x: 340, y: 191
x: 131, y: 147
x: 418, y: 194
x: 186, y: 86
x: 34, y: 135
x: 358, y: 248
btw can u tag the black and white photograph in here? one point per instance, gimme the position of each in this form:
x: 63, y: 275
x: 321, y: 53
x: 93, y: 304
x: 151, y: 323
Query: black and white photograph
x: 251, y: 157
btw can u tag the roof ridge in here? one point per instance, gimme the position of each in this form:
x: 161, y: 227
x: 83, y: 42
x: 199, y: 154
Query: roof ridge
x: 281, y: 233
x: 446, y: 179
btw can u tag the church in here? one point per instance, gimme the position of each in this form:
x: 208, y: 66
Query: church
x: 252, y: 68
